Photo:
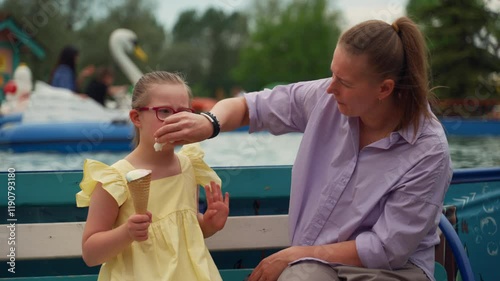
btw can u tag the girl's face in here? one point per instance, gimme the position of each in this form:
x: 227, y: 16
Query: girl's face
x: 171, y: 95
x: 355, y: 87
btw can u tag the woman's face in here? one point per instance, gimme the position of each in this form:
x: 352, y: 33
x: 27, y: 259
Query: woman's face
x: 353, y: 84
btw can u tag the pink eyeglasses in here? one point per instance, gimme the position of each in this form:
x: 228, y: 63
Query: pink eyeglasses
x: 163, y: 112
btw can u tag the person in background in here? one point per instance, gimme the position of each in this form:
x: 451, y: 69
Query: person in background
x: 101, y: 85
x: 373, y: 166
x: 64, y: 74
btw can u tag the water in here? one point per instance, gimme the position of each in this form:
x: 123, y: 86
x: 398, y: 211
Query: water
x: 242, y: 149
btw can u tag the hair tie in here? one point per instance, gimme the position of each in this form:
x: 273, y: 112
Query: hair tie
x: 395, y: 27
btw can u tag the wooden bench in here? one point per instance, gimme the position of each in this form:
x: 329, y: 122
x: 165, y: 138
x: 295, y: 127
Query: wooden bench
x: 43, y: 235
x: 63, y: 240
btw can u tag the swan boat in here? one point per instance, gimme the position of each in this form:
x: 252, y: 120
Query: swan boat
x: 58, y: 120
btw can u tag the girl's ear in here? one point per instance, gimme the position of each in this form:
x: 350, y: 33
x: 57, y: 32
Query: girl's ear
x: 134, y: 117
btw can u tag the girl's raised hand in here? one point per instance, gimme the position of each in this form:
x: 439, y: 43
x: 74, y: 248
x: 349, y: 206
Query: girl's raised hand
x: 138, y: 225
x: 217, y: 207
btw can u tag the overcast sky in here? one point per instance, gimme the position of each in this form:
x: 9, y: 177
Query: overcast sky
x: 354, y: 11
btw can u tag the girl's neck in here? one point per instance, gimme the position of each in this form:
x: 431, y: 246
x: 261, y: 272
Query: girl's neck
x: 145, y: 157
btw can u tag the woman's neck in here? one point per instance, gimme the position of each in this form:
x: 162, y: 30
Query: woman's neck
x: 384, y: 118
x: 378, y: 124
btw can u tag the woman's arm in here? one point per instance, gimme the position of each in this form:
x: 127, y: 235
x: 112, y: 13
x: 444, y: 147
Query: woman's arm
x: 342, y: 252
x: 100, y: 240
x: 186, y: 128
x: 232, y: 113
x: 272, y: 266
x: 86, y: 72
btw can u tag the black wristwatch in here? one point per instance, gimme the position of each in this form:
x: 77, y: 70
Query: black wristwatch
x: 214, y: 121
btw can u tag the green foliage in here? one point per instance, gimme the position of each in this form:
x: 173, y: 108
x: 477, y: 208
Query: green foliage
x: 135, y: 15
x: 206, y: 48
x: 55, y: 24
x: 291, y: 42
x: 288, y: 41
x: 48, y: 24
x: 463, y: 37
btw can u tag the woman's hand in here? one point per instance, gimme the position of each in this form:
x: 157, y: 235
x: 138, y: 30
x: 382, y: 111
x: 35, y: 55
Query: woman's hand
x: 215, y: 216
x: 137, y: 226
x: 270, y: 268
x: 184, y: 128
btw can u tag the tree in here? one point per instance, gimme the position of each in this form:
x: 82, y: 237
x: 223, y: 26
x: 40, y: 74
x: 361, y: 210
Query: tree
x: 291, y: 42
x: 463, y: 39
x: 207, y: 47
x: 86, y: 25
x: 135, y: 15
x: 46, y: 22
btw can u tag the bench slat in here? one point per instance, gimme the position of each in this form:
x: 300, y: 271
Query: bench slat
x: 63, y: 240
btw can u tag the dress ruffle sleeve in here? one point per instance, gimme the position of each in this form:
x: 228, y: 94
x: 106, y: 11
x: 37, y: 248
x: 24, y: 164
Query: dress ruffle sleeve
x: 203, y: 173
x: 111, y: 179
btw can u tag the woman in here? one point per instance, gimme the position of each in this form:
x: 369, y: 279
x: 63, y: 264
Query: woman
x: 64, y: 73
x: 373, y: 167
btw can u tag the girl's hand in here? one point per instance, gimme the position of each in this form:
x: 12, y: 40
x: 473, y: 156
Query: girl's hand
x: 138, y: 225
x: 217, y: 207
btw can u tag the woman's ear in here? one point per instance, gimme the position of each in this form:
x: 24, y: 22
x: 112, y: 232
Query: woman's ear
x: 386, y: 88
x: 134, y: 117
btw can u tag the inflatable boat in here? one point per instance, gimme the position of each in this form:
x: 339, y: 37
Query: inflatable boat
x: 58, y: 120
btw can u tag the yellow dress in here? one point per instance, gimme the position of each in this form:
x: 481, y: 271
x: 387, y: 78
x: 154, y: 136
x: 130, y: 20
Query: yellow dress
x: 175, y: 249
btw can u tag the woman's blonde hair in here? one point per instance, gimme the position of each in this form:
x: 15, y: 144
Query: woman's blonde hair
x: 140, y: 97
x: 397, y: 52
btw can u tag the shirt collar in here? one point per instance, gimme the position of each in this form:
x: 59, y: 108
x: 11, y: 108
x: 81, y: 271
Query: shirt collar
x: 409, y: 133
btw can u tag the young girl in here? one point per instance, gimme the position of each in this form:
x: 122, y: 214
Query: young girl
x: 167, y: 243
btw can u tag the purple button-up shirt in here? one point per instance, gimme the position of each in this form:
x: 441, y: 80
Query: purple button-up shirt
x: 387, y: 196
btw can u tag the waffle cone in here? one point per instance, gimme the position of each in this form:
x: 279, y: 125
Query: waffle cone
x: 139, y: 190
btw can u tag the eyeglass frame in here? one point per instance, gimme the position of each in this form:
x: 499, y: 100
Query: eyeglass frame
x: 174, y: 111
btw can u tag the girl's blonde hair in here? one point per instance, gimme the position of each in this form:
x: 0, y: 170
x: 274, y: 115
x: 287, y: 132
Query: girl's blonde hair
x: 398, y: 52
x: 140, y: 97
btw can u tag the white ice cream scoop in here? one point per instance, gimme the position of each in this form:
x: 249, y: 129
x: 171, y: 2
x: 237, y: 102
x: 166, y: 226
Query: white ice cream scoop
x: 158, y: 146
x: 137, y: 174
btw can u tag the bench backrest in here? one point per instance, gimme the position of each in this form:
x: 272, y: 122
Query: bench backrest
x: 63, y: 240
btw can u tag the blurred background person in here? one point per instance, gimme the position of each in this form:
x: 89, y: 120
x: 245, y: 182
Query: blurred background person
x: 64, y: 73
x: 101, y: 85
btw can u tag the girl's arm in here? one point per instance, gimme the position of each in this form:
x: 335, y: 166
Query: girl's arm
x: 215, y: 216
x: 100, y: 240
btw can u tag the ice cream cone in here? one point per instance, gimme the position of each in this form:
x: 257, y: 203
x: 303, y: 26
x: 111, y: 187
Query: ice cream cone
x: 139, y: 190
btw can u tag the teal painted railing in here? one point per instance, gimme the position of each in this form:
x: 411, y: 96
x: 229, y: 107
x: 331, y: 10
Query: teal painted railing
x: 50, y: 197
